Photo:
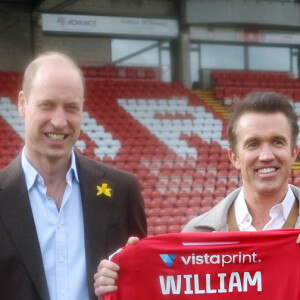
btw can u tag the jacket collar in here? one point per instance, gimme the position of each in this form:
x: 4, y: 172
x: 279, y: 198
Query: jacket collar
x: 216, y: 218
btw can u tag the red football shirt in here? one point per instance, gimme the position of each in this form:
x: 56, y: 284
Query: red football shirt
x: 220, y: 265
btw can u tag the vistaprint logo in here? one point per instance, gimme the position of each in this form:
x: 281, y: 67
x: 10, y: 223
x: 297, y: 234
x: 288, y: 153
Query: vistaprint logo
x: 183, y: 280
x: 168, y: 259
x: 214, y: 259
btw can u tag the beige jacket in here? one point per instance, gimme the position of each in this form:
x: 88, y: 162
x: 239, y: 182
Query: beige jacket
x: 216, y: 218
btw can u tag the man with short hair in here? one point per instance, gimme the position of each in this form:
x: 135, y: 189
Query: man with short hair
x: 262, y: 135
x: 60, y: 212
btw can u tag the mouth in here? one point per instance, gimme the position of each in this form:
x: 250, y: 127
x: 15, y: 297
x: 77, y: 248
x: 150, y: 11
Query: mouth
x: 267, y: 170
x: 55, y: 137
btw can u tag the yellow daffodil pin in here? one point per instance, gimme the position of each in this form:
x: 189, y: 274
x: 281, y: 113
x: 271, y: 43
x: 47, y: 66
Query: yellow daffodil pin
x: 103, y: 189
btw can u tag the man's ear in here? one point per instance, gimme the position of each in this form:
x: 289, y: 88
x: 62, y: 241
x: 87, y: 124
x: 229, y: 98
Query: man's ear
x: 21, y: 104
x: 234, y: 159
x: 295, y: 153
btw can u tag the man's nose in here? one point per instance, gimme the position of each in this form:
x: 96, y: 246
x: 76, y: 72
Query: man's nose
x: 266, y: 153
x: 58, y: 119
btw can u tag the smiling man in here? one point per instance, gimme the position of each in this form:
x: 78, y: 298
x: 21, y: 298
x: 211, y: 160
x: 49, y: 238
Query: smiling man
x: 262, y: 134
x: 52, y: 107
x: 55, y: 225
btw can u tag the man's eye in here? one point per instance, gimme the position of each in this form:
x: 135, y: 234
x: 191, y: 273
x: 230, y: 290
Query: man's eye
x: 72, y: 108
x: 252, y: 145
x: 46, y: 105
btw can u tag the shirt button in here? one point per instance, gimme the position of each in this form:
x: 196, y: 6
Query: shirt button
x: 62, y: 293
x: 247, y: 219
x: 61, y: 259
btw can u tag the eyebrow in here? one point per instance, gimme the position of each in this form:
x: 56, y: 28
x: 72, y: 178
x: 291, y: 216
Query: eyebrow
x: 40, y: 101
x: 250, y: 140
x: 280, y: 137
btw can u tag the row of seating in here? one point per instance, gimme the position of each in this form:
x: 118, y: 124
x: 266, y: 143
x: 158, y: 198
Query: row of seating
x: 121, y: 88
x: 254, y: 78
x: 10, y: 84
x: 238, y: 83
x: 113, y: 71
x: 227, y: 93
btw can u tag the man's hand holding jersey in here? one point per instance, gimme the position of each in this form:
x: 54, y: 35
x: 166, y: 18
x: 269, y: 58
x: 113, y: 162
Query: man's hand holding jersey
x: 107, y: 274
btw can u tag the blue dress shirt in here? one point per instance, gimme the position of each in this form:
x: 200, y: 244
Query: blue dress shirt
x: 60, y: 234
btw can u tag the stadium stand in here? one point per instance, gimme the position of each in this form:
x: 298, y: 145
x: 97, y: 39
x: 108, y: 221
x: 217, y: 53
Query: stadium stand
x: 113, y: 71
x: 172, y: 139
x: 230, y: 83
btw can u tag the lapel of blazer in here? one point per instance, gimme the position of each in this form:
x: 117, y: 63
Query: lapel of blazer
x: 296, y: 192
x: 96, y: 214
x: 17, y: 218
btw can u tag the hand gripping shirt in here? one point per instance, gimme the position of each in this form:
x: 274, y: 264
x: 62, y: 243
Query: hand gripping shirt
x: 261, y: 265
